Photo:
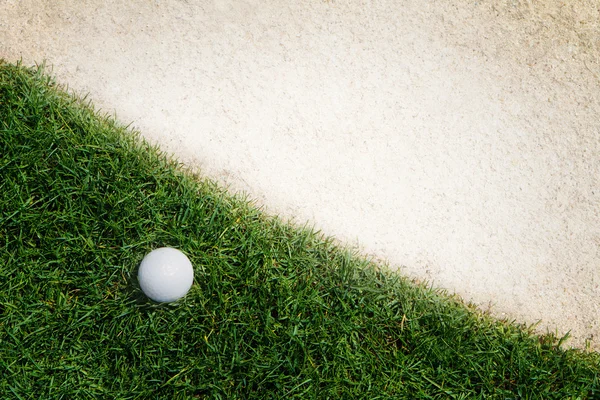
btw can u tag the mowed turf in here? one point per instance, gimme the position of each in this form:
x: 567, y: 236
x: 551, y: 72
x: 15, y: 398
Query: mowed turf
x: 275, y: 311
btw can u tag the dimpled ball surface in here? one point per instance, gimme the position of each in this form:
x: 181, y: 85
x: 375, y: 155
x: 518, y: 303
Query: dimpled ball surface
x: 165, y: 275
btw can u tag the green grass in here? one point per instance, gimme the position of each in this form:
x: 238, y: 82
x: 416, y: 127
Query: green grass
x: 275, y: 311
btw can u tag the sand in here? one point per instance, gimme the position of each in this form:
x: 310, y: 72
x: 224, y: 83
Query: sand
x: 457, y: 140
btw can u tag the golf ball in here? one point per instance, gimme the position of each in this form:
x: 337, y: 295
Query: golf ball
x: 165, y: 274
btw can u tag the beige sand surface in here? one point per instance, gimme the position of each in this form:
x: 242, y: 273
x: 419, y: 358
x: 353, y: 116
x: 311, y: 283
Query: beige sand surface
x: 460, y: 140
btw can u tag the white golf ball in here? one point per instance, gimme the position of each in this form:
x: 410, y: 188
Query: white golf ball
x: 165, y: 275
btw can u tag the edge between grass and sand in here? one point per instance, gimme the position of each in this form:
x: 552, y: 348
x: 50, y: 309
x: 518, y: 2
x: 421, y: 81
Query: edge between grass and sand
x: 276, y: 310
